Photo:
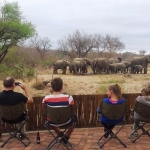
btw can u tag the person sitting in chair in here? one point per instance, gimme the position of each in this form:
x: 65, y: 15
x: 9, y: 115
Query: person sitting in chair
x: 144, y: 99
x: 8, y: 98
x: 114, y: 97
x: 58, y: 98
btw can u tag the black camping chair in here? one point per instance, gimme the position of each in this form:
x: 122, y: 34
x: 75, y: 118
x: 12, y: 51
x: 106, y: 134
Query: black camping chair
x: 10, y: 117
x: 113, y: 112
x: 61, y: 117
x: 144, y: 111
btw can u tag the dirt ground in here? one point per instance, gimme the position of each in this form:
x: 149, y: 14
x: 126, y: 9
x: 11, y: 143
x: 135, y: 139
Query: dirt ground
x: 86, y: 84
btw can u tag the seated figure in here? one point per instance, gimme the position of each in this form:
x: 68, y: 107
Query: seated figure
x: 114, y: 97
x: 144, y: 99
x: 58, y: 99
x: 9, y: 97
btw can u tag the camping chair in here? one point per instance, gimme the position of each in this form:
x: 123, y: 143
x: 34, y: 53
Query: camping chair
x: 61, y: 117
x: 113, y: 112
x: 144, y: 111
x: 9, y: 120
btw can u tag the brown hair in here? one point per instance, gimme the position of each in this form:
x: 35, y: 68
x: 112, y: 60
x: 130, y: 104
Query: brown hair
x: 8, y: 82
x: 57, y: 84
x: 116, y: 89
x: 146, y: 89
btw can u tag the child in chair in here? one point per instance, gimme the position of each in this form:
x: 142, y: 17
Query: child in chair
x: 114, y: 97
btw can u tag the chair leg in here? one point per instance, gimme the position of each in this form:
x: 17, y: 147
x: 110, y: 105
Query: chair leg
x: 14, y: 135
x: 121, y: 142
x: 53, y: 142
x: 144, y: 132
x: 107, y: 132
x: 6, y: 141
x: 57, y: 139
x: 112, y: 135
x: 101, y: 145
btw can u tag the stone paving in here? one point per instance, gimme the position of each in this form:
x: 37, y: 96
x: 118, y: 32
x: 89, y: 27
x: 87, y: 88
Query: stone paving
x: 81, y: 139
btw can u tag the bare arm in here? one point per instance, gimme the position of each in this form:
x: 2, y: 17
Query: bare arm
x: 28, y: 94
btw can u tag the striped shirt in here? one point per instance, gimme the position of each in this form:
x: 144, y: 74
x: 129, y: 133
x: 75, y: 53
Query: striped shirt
x: 60, y: 100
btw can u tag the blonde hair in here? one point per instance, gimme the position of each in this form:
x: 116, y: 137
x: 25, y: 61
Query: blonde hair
x: 116, y: 89
x: 146, y: 89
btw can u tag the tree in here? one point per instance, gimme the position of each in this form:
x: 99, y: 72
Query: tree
x: 13, y: 27
x: 142, y: 52
x: 99, y: 43
x: 42, y: 45
x: 79, y: 43
x: 113, y: 44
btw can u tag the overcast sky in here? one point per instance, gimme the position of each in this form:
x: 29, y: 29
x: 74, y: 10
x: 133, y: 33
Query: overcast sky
x: 127, y: 19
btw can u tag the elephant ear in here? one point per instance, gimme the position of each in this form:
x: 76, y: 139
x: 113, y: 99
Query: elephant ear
x: 120, y: 59
x: 94, y: 63
x: 148, y: 58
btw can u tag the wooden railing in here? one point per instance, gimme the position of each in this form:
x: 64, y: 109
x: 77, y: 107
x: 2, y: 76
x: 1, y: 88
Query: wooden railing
x: 85, y: 109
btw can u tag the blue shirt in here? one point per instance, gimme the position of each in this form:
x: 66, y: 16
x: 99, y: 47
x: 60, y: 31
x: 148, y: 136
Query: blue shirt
x: 105, y: 119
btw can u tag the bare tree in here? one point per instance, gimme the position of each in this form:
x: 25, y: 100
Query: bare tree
x: 113, y: 44
x: 78, y: 43
x: 66, y: 49
x: 142, y: 52
x: 99, y: 43
x: 42, y: 45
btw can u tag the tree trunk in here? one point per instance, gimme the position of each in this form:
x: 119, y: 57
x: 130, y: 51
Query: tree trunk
x: 2, y: 56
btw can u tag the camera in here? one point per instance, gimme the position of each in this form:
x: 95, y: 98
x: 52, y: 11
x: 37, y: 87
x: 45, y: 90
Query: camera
x: 17, y: 83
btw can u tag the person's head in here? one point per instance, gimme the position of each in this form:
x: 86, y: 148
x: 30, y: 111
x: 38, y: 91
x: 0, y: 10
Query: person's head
x: 146, y: 89
x: 8, y: 82
x: 57, y: 84
x: 114, y: 89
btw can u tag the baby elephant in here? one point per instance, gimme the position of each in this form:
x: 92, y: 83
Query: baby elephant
x: 137, y: 69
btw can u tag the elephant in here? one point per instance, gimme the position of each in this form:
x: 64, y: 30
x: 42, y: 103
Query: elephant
x: 128, y: 65
x: 137, y: 69
x: 93, y: 65
x: 61, y: 64
x: 113, y: 68
x: 114, y: 60
x: 77, y: 67
x: 143, y: 61
x: 120, y: 67
x: 100, y: 65
x: 86, y: 60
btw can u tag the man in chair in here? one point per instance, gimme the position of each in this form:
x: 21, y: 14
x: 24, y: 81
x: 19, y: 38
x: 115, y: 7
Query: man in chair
x: 8, y: 98
x: 57, y: 98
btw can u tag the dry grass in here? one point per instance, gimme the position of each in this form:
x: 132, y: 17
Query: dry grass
x: 84, y: 84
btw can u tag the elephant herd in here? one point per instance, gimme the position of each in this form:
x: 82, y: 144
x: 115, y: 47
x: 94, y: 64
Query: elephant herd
x: 103, y: 65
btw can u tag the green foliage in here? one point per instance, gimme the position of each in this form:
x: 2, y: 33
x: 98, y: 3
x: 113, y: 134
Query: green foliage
x: 101, y: 89
x: 30, y: 72
x: 48, y: 62
x: 13, y: 28
x: 6, y: 70
x: 113, y: 80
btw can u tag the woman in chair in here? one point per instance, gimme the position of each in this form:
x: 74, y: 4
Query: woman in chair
x: 114, y: 97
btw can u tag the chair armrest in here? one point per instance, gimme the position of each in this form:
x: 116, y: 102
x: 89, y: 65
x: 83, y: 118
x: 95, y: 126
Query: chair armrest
x: 131, y: 110
x: 98, y: 116
x: 131, y: 114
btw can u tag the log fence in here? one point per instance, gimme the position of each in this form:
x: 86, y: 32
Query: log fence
x: 85, y: 109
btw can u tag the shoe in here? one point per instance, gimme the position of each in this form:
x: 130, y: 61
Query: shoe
x: 22, y: 136
x: 135, y: 134
x: 106, y: 135
x: 65, y: 139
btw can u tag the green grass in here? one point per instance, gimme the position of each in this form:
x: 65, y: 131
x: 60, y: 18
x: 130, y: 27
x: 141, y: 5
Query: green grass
x: 111, y: 81
x: 103, y: 84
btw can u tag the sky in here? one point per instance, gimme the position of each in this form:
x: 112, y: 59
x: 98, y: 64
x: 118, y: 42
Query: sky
x: 56, y: 19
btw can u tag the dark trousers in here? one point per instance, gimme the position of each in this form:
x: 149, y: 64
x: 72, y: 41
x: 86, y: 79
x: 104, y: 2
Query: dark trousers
x: 108, y: 126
